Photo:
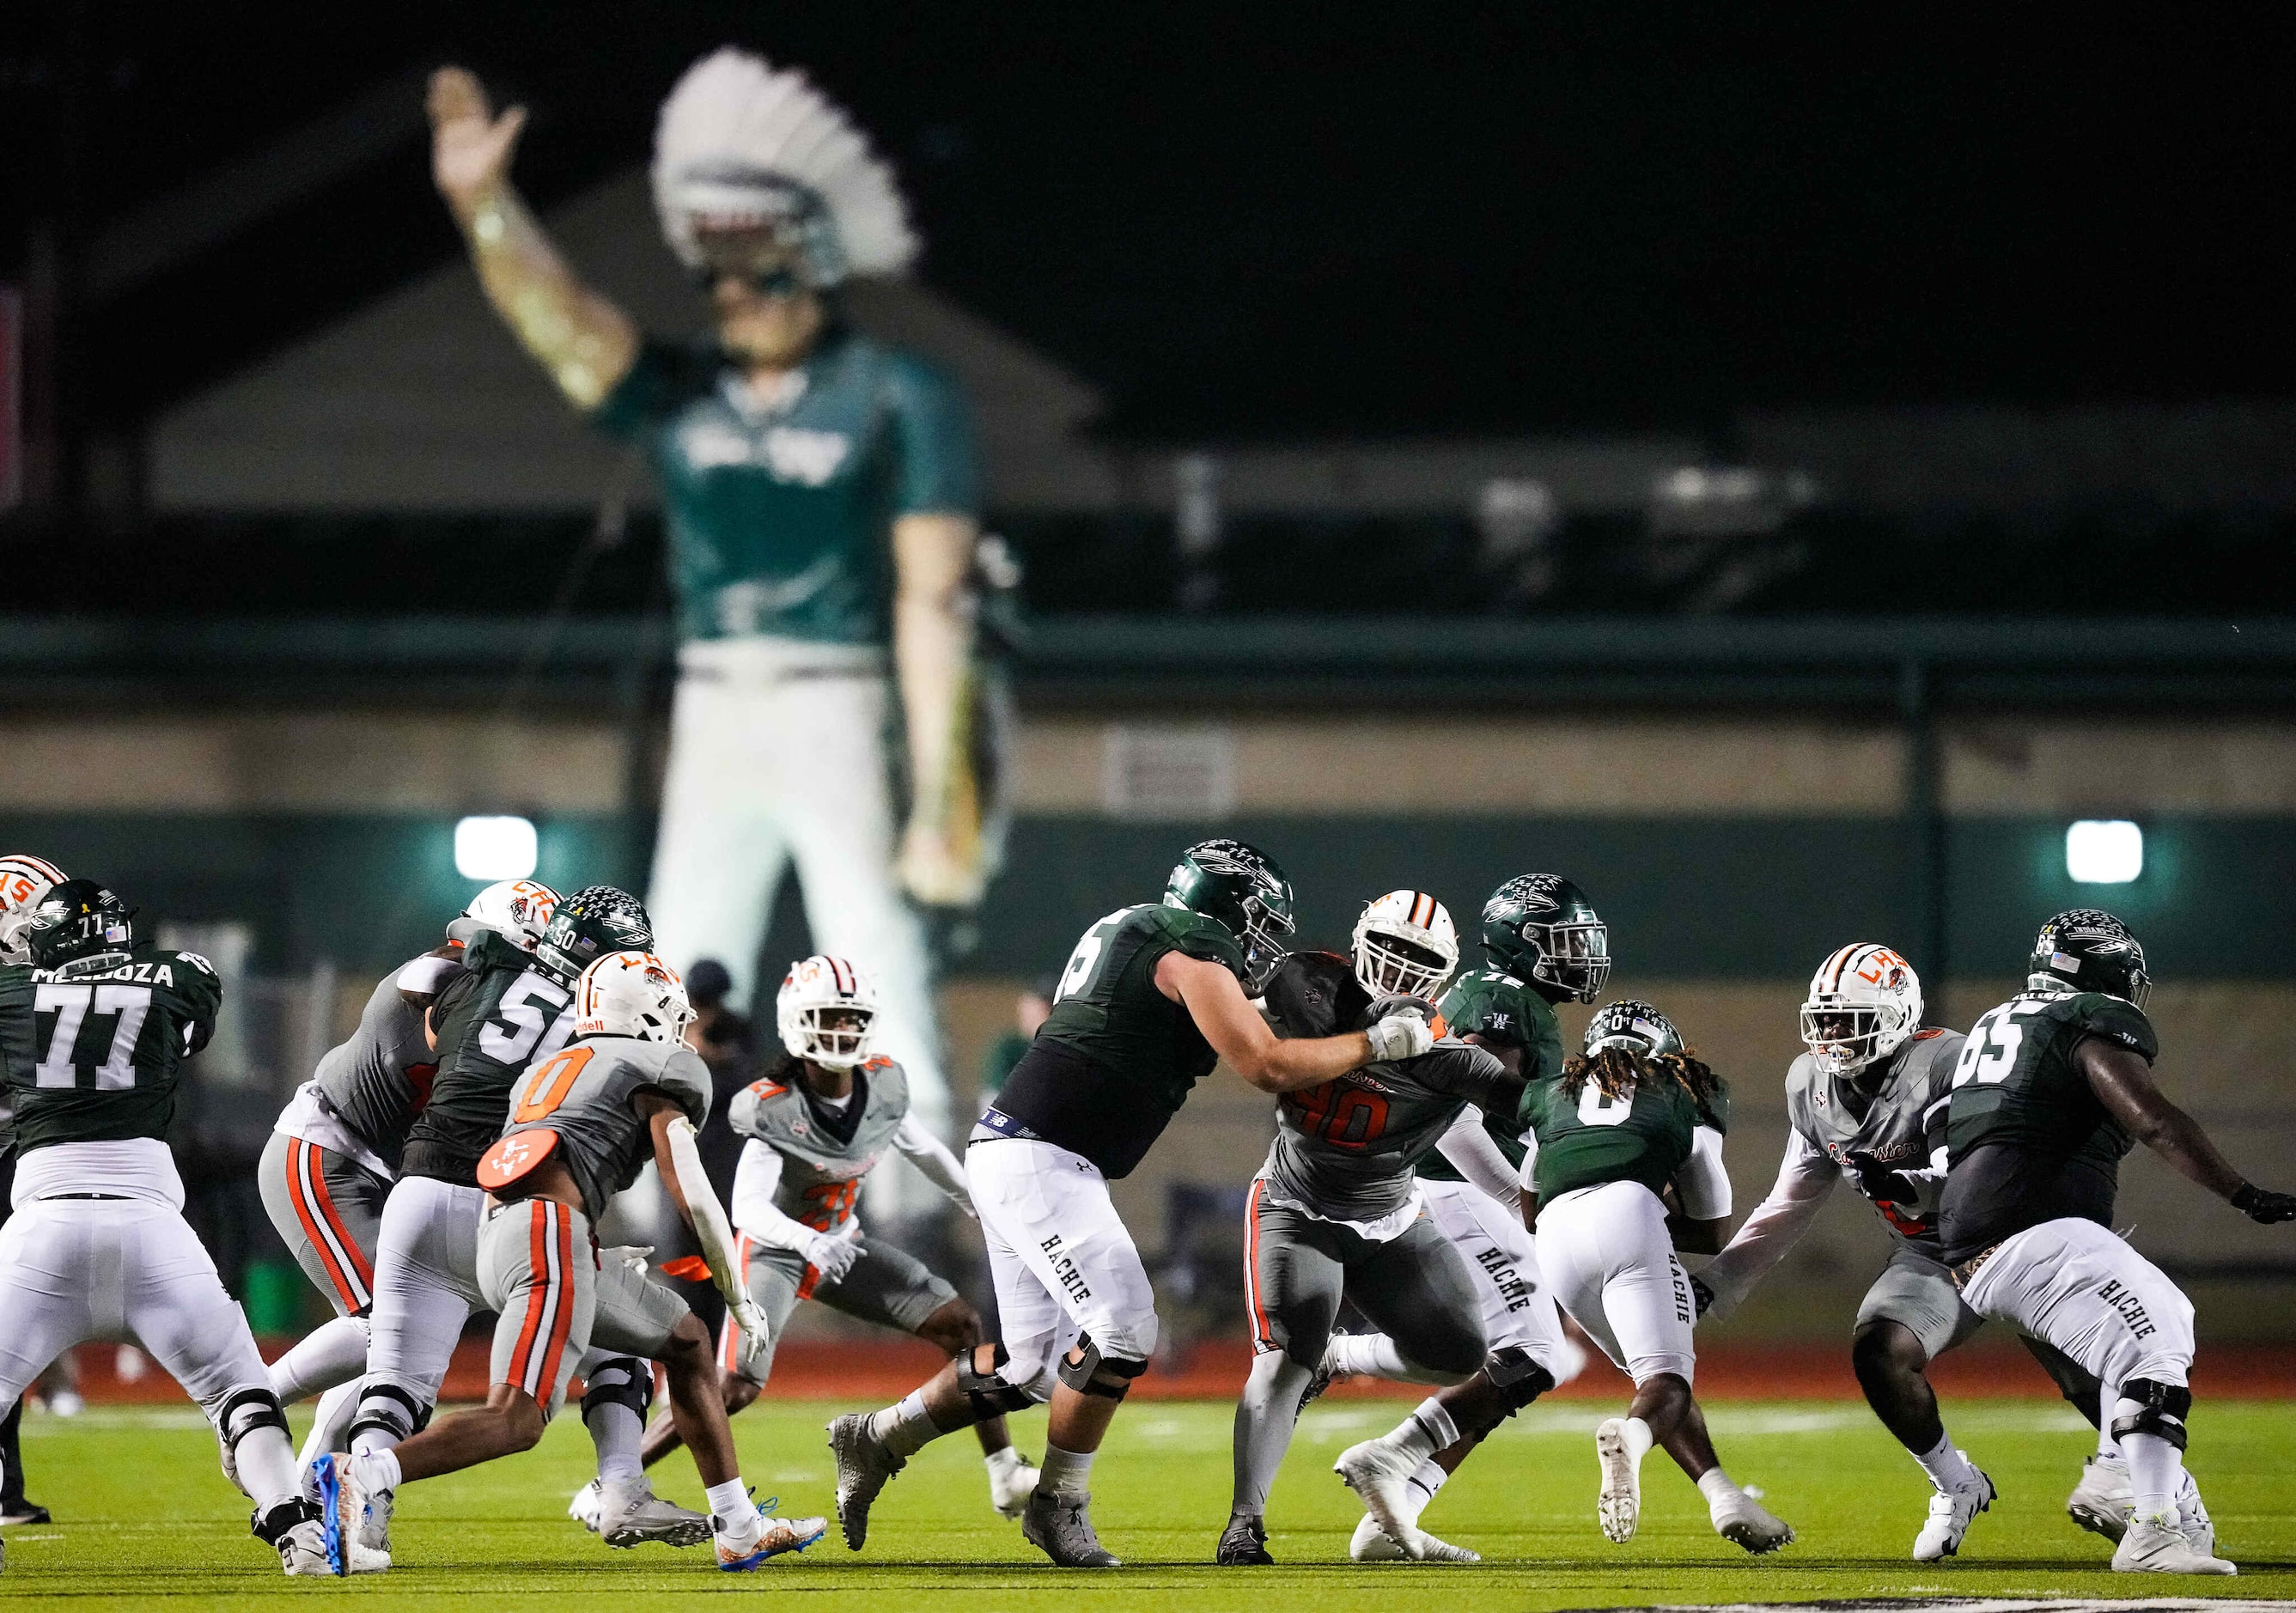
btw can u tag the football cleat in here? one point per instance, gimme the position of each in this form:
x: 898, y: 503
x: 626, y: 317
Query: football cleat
x: 1950, y: 1515
x: 1243, y: 1544
x: 2152, y: 1547
x: 2192, y: 1521
x: 630, y: 1514
x: 1371, y: 1543
x: 864, y: 1466
x: 2102, y: 1501
x: 1742, y: 1521
x: 585, y: 1506
x: 1323, y: 1377
x: 1381, y: 1475
x: 1010, y: 1483
x: 26, y: 1512
x: 1061, y: 1527
x: 1618, y: 1504
x: 740, y: 1549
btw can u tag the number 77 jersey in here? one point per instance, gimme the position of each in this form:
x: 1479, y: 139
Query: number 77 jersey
x: 92, y: 1049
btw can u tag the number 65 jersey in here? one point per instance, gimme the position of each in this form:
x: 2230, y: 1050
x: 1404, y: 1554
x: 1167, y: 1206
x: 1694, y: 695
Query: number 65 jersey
x: 92, y: 1049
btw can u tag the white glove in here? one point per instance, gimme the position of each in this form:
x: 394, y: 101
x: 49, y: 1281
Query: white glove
x: 831, y: 1255
x: 749, y: 1317
x: 637, y: 1256
x: 1403, y: 1036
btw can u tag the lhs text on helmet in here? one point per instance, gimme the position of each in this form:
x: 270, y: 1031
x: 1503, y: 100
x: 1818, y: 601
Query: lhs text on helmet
x: 631, y: 994
x: 1864, y: 1002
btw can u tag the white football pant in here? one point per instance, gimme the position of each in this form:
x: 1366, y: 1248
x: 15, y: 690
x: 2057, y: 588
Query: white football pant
x: 1518, y: 1302
x: 426, y: 1285
x: 1606, y: 1253
x: 2081, y: 1288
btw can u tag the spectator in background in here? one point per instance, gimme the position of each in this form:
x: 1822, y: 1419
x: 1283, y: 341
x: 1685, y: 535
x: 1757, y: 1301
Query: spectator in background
x: 1028, y: 1010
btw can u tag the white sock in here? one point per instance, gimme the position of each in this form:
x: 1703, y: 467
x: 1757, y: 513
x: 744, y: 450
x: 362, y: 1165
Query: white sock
x: 906, y: 1428
x: 266, y: 1466
x: 378, y: 1470
x: 1639, y: 1442
x: 1427, y: 1430
x: 332, y: 1353
x: 1066, y: 1472
x: 1947, y: 1468
x: 337, y: 1407
x: 730, y: 1505
x: 1420, y: 1487
x: 1001, y: 1462
x: 2155, y: 1473
x: 2106, y: 1445
x: 1367, y: 1354
x: 1715, y: 1484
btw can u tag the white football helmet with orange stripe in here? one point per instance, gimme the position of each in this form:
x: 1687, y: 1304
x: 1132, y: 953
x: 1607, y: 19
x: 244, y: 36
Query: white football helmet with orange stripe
x: 517, y: 910
x: 1405, y: 946
x: 631, y: 994
x: 1864, y: 1002
x: 826, y: 1012
x: 24, y: 880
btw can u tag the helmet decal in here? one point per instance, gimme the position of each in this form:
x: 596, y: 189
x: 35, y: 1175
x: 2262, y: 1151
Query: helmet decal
x: 826, y: 1012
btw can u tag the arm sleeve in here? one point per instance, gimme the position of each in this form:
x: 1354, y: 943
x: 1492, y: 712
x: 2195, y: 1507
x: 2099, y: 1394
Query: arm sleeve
x: 1702, y: 1184
x: 707, y: 1215
x: 1471, y: 1152
x: 932, y: 1156
x: 755, y: 1181
x: 939, y: 472
x: 1805, y: 1177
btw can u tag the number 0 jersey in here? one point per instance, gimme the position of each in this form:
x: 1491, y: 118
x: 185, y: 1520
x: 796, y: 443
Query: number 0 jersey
x: 1117, y: 1058
x: 2029, y: 1142
x: 825, y: 1156
x: 506, y: 1013
x: 1502, y: 1010
x: 92, y: 1049
x: 1642, y: 1135
x: 584, y: 1093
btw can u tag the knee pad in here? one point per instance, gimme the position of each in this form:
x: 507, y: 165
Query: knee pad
x: 1090, y: 1373
x: 1518, y: 1377
x: 2161, y: 1410
x: 244, y: 1411
x: 625, y: 1380
x: 387, y: 1408
x: 988, y: 1394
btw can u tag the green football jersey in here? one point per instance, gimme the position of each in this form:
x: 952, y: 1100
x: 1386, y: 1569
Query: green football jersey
x: 93, y: 1050
x: 1501, y: 1011
x: 1117, y: 1058
x: 781, y: 513
x: 1643, y: 1136
x: 503, y: 1013
x: 2027, y: 1139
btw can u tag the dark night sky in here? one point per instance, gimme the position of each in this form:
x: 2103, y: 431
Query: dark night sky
x: 1250, y: 222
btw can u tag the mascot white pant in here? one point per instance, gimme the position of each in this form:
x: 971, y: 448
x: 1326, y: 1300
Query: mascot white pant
x: 778, y: 754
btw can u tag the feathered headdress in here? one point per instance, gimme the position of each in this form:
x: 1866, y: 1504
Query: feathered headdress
x: 739, y: 143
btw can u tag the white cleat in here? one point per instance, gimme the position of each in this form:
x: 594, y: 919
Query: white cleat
x: 1010, y: 1483
x: 2192, y: 1517
x: 2152, y: 1547
x: 2103, y: 1499
x: 585, y: 1507
x: 1370, y: 1544
x: 303, y: 1552
x: 630, y: 1514
x: 1619, y: 1505
x: 1951, y: 1513
x: 1742, y: 1521
x: 1381, y: 1475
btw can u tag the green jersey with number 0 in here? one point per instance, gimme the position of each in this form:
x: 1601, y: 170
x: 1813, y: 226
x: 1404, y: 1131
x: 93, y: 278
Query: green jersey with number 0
x: 93, y: 1050
x: 1499, y: 1010
x: 1643, y: 1134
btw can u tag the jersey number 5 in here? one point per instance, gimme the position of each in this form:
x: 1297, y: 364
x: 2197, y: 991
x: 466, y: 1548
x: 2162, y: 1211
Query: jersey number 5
x: 511, y: 1032
x: 1080, y: 964
x: 71, y: 1003
x: 1991, y: 1053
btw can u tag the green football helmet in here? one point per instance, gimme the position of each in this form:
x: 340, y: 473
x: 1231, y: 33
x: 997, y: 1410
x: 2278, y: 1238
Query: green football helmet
x: 1540, y: 927
x: 2088, y: 949
x: 76, y: 919
x: 1240, y: 886
x: 1635, y: 1025
x: 588, y: 925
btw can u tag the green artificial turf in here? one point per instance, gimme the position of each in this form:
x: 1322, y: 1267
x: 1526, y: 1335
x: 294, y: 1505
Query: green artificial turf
x: 144, y: 1515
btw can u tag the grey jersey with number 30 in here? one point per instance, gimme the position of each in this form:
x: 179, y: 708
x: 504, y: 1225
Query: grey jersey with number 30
x: 1901, y: 1126
x: 584, y: 1092
x: 820, y: 1175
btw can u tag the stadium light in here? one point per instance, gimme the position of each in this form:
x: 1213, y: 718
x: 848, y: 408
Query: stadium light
x: 495, y: 848
x: 2104, y: 851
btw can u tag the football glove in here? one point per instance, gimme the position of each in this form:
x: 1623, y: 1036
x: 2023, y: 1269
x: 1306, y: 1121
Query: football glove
x: 1880, y: 1183
x: 1701, y: 1295
x: 1400, y: 1035
x: 749, y: 1317
x: 2261, y: 1206
x: 833, y: 1257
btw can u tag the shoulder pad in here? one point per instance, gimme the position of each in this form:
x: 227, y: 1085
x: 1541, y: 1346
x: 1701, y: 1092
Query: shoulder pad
x: 2118, y: 1020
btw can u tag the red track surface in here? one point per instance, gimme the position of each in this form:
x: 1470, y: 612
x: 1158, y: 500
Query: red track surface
x: 870, y: 1371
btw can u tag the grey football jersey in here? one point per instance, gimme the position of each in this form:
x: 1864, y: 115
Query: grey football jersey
x: 1346, y: 1149
x: 379, y: 1080
x: 583, y: 1092
x: 1901, y: 1127
x: 821, y: 1176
